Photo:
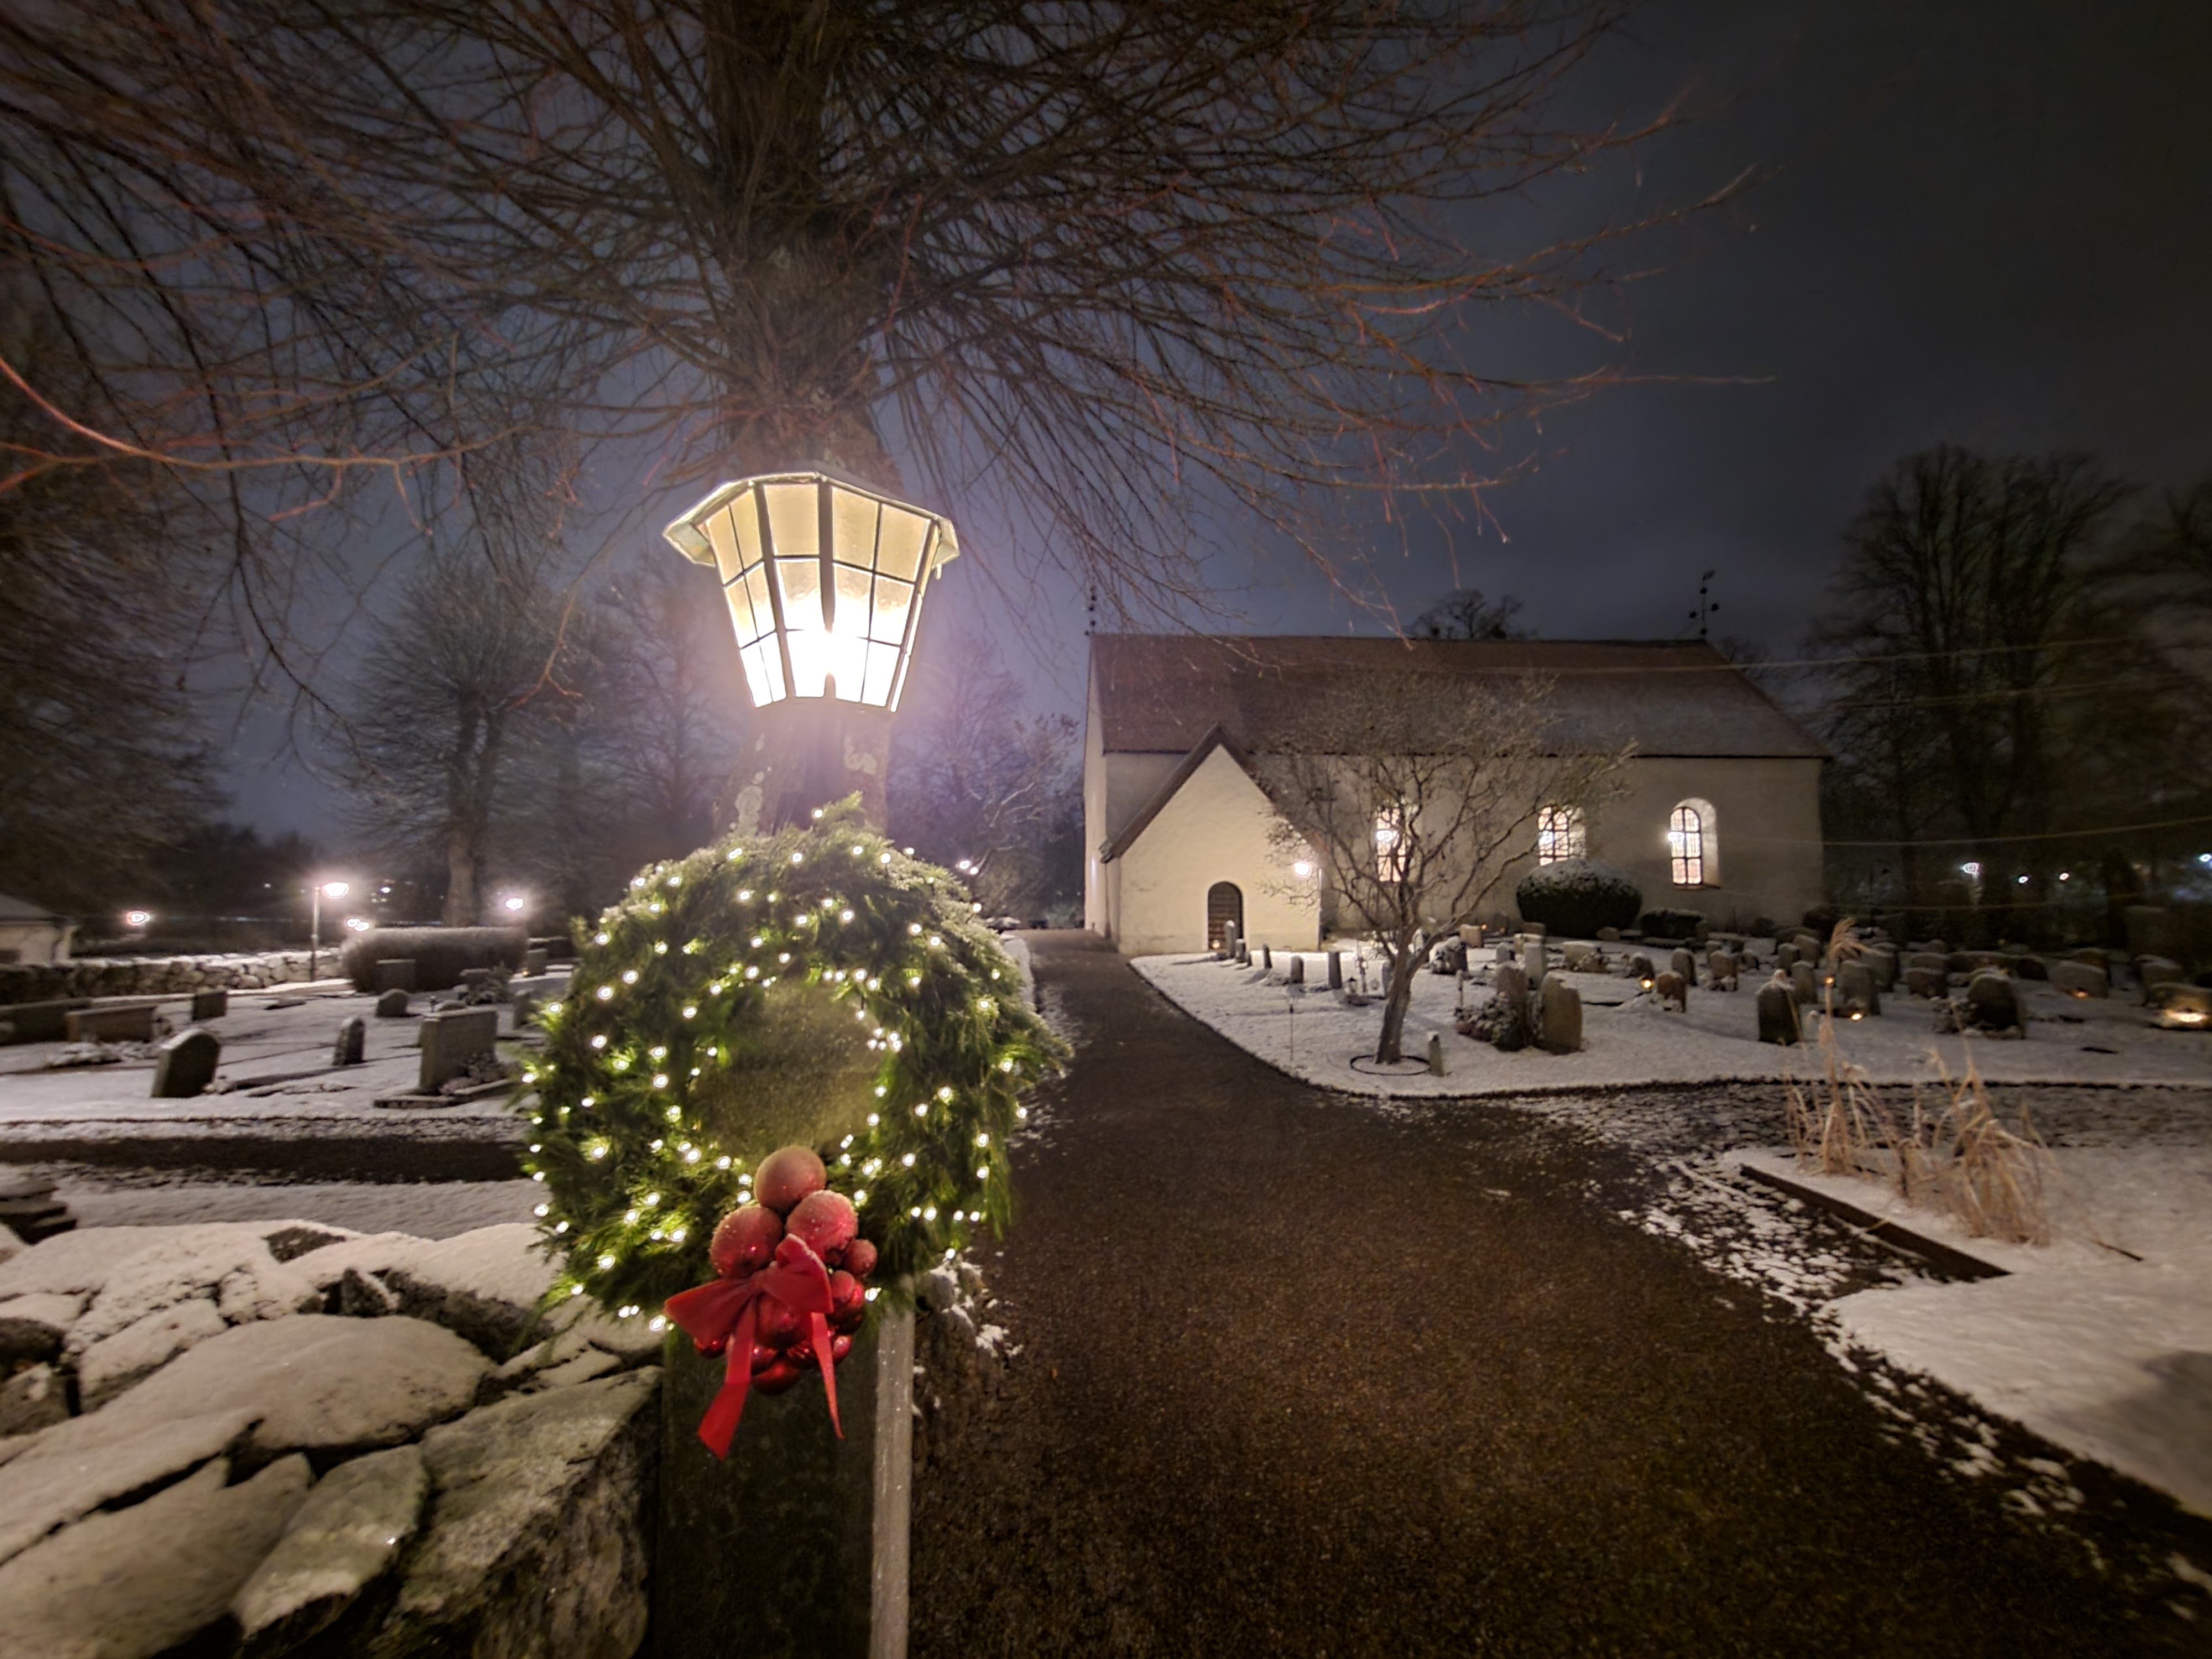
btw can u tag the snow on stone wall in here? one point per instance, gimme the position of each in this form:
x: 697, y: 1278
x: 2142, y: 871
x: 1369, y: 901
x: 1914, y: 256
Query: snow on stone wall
x: 139, y: 976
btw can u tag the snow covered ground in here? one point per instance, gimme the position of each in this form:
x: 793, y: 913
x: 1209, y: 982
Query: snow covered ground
x: 1313, y: 1034
x: 2100, y: 1341
x: 2103, y: 1354
x: 275, y: 1066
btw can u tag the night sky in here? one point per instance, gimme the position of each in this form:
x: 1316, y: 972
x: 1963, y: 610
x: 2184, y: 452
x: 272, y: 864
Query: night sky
x: 1986, y: 222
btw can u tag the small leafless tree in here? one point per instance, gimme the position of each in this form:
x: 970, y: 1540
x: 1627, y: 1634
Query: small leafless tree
x: 1418, y: 793
x: 1466, y: 614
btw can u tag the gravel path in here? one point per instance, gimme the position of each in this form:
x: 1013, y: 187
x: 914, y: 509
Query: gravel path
x: 1302, y: 1375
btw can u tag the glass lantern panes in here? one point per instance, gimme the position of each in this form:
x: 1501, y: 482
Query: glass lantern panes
x: 825, y: 581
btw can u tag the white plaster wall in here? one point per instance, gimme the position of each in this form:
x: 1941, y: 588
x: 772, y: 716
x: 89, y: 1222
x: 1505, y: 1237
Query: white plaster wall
x: 1766, y: 828
x: 1216, y: 828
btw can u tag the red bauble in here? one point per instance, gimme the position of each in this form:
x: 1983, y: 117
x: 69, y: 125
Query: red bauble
x: 788, y: 1174
x: 846, y: 1292
x: 840, y: 1346
x: 778, y: 1326
x: 776, y: 1378
x: 745, y: 1239
x: 860, y: 1258
x: 826, y: 1221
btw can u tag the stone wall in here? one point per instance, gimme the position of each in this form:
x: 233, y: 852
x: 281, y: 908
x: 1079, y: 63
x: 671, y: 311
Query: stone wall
x: 273, y: 1437
x: 144, y: 976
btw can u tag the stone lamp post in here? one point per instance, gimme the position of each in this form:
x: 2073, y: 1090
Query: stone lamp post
x: 825, y: 578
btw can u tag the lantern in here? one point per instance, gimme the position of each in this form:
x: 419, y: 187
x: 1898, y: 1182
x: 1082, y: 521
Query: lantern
x: 824, y: 580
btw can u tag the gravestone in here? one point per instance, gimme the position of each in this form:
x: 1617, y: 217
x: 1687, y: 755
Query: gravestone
x: 1560, y: 1017
x: 209, y: 1004
x: 1992, y: 1003
x: 2183, y: 1008
x: 1641, y: 970
x: 2076, y: 979
x: 1535, y: 960
x: 1608, y: 935
x: 1925, y: 982
x: 1297, y: 971
x: 1504, y: 1018
x: 1267, y: 957
x: 1243, y: 954
x: 1436, y: 1053
x: 1882, y: 963
x: 396, y: 974
x: 1802, y: 982
x: 1584, y: 959
x: 1505, y: 953
x: 110, y: 1025
x: 392, y: 1005
x: 533, y: 961
x: 1229, y: 938
x: 1785, y: 956
x: 1855, y: 986
x: 1778, y: 1012
x: 455, y: 1041
x: 352, y: 1044
x: 184, y: 1064
x: 1684, y: 967
x: 1721, y: 970
x: 2155, y: 971
x: 1336, y: 970
x: 1670, y: 987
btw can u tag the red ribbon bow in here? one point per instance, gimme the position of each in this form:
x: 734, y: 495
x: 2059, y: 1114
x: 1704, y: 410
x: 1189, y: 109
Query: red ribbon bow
x: 727, y: 1312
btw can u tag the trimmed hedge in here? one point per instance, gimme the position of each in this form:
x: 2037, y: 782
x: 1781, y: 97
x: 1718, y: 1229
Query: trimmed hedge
x: 1575, y: 897
x: 439, y: 953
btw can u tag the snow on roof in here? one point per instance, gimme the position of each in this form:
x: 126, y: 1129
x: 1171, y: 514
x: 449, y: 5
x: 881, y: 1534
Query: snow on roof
x: 16, y: 909
x: 1162, y: 693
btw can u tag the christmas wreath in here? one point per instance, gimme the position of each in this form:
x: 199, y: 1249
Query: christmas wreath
x: 819, y: 987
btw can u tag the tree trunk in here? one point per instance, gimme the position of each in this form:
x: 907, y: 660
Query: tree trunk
x: 1390, y: 1047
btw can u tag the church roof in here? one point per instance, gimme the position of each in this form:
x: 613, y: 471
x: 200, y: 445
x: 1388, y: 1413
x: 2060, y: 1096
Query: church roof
x: 1217, y: 738
x: 1164, y: 692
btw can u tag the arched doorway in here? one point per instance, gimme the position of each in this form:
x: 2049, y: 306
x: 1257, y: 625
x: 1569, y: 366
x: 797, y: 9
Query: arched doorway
x: 1224, y: 906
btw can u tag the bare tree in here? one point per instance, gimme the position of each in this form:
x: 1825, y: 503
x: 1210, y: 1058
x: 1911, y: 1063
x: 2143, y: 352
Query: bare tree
x: 1465, y: 614
x: 450, y: 682
x: 1418, y: 793
x: 1993, y: 670
x: 978, y: 782
x: 1096, y: 270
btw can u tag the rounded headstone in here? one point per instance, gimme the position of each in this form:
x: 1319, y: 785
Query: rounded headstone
x: 1992, y: 1002
x: 1804, y: 984
x: 1855, y: 988
x: 392, y: 1005
x: 1684, y: 966
x: 1560, y: 1017
x: 1778, y: 1012
x: 184, y: 1064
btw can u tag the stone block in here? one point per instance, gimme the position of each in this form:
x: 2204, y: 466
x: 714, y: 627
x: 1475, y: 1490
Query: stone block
x: 1803, y: 983
x: 1778, y: 1012
x: 133, y: 1024
x: 1670, y: 990
x: 1684, y: 966
x: 184, y: 1064
x: 533, y: 961
x: 395, y: 974
x: 32, y: 1326
x: 34, y: 1398
x: 392, y: 1004
x: 93, y: 1462
x: 352, y: 1044
x: 1298, y: 975
x: 147, y: 1579
x: 351, y: 1530
x: 455, y: 1041
x: 1559, y: 1017
x: 1854, y: 989
x: 1336, y: 970
x: 210, y: 1005
x: 1992, y: 1003
x: 39, y: 1022
x: 538, y: 1533
x: 2079, y: 979
x: 1926, y: 981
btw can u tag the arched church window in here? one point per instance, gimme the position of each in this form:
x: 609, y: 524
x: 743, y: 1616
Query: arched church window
x: 1692, y: 848
x: 1561, y: 833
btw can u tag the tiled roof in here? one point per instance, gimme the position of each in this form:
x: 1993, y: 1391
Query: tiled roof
x: 1162, y: 693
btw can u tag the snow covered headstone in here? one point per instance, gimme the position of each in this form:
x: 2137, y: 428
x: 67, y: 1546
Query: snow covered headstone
x: 184, y: 1064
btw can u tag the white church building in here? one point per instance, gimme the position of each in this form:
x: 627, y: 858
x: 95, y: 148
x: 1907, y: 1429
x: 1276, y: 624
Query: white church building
x: 1720, y: 810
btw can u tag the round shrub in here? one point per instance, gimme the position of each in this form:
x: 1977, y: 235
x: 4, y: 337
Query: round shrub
x: 439, y: 954
x: 1575, y: 897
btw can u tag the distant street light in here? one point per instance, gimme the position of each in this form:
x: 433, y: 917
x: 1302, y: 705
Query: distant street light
x: 316, y: 894
x: 359, y: 924
x: 137, y: 921
x: 825, y: 578
x: 514, y: 903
